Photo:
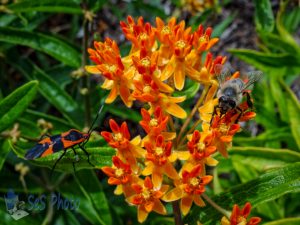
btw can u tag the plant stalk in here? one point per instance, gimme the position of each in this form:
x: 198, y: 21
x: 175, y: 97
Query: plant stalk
x: 194, y: 110
x: 216, y: 206
x: 177, y: 213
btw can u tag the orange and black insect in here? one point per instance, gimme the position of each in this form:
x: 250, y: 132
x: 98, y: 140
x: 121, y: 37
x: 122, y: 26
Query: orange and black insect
x: 59, y: 142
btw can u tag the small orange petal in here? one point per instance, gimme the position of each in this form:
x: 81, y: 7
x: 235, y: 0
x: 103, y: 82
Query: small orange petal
x: 176, y: 111
x: 157, y: 179
x: 198, y: 201
x: 112, y: 95
x: 186, y: 204
x: 142, y: 214
x: 173, y: 195
x: 170, y: 171
x: 179, y: 76
x: 159, y: 207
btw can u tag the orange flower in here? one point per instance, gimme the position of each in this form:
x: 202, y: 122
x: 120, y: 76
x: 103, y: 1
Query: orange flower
x: 147, y: 198
x: 157, y: 162
x: 189, y: 190
x: 140, y: 34
x: 180, y: 46
x: 240, y: 216
x: 200, y: 151
x: 155, y: 125
x: 121, y: 175
x: 223, y: 133
x: 109, y: 64
x: 202, y: 40
x: 120, y: 140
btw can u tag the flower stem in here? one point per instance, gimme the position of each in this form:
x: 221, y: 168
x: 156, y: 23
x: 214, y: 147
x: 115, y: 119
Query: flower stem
x: 85, y: 79
x: 216, y: 206
x: 194, y: 110
x: 190, y: 131
x: 177, y: 213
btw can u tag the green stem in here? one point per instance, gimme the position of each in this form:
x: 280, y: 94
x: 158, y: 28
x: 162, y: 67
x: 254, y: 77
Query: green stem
x: 216, y: 206
x: 85, y: 80
x: 177, y: 213
x: 194, y: 110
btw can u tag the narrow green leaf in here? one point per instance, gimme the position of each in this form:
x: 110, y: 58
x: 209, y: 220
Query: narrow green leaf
x: 268, y: 61
x: 293, y: 110
x: 99, y: 156
x: 221, y: 27
x: 5, y: 148
x: 50, y: 45
x: 123, y: 112
x: 13, y: 105
x: 264, y: 18
x: 266, y: 187
x: 289, y: 221
x: 189, y: 92
x: 59, y: 6
x: 93, y: 191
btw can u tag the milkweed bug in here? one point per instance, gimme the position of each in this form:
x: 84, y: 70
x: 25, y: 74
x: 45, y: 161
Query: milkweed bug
x: 59, y: 142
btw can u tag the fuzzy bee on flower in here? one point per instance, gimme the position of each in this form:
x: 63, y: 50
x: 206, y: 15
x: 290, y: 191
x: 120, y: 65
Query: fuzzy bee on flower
x: 231, y: 90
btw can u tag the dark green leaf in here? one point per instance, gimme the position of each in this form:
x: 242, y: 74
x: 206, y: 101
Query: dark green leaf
x: 221, y: 27
x: 266, y: 187
x: 289, y: 221
x: 61, y: 6
x: 99, y: 156
x: 12, y: 106
x: 52, y: 46
x: 268, y: 61
x: 264, y: 18
x: 123, y: 112
x: 4, y: 151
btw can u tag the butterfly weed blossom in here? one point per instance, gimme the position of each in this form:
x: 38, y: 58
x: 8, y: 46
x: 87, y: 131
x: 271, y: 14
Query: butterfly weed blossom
x: 168, y: 164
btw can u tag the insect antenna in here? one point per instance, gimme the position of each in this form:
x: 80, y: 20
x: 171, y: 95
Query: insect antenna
x: 93, y: 123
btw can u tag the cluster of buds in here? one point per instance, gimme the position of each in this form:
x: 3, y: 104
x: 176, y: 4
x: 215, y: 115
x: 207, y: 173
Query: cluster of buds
x: 165, y: 165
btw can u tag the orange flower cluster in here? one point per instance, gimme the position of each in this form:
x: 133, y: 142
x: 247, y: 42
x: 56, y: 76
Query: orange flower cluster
x: 165, y: 165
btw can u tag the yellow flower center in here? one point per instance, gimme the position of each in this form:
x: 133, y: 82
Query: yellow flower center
x: 153, y: 122
x: 180, y: 44
x: 147, y: 89
x: 143, y: 36
x: 223, y: 128
x: 145, y: 62
x: 119, y: 172
x: 108, y: 48
x: 201, y: 146
x: 117, y: 137
x: 242, y: 221
x: 166, y: 30
x: 159, y: 151
x: 111, y: 68
x: 203, y: 38
x: 194, y: 181
x: 146, y: 194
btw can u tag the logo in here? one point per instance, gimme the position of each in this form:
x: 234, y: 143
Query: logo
x: 15, y: 207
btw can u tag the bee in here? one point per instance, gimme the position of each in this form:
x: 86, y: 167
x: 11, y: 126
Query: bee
x: 231, y: 90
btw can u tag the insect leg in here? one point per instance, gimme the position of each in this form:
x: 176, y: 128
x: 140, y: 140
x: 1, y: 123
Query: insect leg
x: 76, y: 158
x: 62, y: 155
x: 87, y: 154
x: 239, y: 116
x: 214, y: 113
x: 249, y: 101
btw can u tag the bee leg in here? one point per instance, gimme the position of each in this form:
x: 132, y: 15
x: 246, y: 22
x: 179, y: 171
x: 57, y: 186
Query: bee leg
x: 240, y: 114
x: 249, y: 101
x: 214, y: 113
x: 76, y: 160
x: 62, y: 155
x: 87, y: 154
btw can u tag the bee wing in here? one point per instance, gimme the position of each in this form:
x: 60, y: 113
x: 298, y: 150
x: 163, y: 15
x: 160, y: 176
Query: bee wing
x: 222, y: 73
x: 252, y: 77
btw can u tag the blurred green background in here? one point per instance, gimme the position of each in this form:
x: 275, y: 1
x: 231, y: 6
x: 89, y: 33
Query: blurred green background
x: 43, y: 47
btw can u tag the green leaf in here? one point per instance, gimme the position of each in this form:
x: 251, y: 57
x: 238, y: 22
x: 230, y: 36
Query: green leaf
x: 58, y: 6
x: 291, y: 20
x: 289, y: 221
x: 264, y: 18
x: 50, y: 45
x: 293, y: 110
x: 189, y: 92
x: 221, y: 27
x: 268, y: 61
x: 13, y: 105
x: 99, y: 156
x: 93, y: 191
x: 123, y: 112
x: 51, y: 90
x: 5, y: 148
x: 264, y: 188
